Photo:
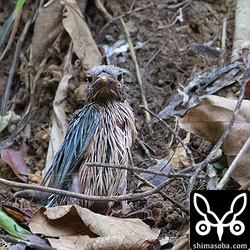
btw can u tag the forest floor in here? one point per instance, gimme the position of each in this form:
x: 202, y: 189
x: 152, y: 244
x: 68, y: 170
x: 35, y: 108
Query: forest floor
x: 165, y: 35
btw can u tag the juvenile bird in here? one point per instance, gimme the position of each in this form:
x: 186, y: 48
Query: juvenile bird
x: 101, y: 132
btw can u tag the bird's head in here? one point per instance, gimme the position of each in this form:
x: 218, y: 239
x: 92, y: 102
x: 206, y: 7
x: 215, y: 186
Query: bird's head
x: 105, y: 83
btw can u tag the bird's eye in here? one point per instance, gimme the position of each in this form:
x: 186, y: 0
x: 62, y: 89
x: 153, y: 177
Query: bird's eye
x: 89, y: 79
x: 119, y: 77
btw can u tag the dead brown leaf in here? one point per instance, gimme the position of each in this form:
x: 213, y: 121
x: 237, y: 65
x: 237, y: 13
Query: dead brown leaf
x: 59, y: 117
x: 178, y: 157
x: 83, y: 43
x: 247, y: 91
x: 209, y: 120
x: 48, y: 24
x: 20, y: 215
x: 79, y: 228
x: 16, y: 162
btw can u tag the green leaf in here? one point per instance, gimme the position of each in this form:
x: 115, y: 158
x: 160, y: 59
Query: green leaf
x: 218, y: 166
x: 223, y: 172
x: 10, y: 226
x: 18, y: 6
x: 8, y: 23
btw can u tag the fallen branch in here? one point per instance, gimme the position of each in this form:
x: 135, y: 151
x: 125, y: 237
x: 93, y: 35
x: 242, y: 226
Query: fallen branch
x: 128, y: 197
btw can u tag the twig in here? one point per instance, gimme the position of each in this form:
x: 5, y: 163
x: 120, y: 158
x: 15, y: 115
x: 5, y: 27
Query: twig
x: 156, y: 53
x: 201, y: 165
x: 132, y: 5
x: 141, y: 170
x: 224, y: 34
x: 11, y: 239
x: 185, y: 3
x: 6, y: 95
x: 102, y: 9
x: 138, y: 74
x: 141, y: 143
x: 124, y: 15
x: 83, y: 196
x: 234, y: 164
x: 178, y: 18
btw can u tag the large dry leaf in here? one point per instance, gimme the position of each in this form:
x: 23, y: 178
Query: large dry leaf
x: 79, y: 228
x: 51, y: 21
x: 209, y: 120
x: 83, y: 43
x: 59, y: 118
x: 16, y: 162
x: 47, y: 28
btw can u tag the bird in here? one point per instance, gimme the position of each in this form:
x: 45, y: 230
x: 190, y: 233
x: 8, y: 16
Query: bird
x: 102, y: 131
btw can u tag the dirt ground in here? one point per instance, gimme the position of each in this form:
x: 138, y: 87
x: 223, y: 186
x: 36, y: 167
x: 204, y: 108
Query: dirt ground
x: 163, y: 33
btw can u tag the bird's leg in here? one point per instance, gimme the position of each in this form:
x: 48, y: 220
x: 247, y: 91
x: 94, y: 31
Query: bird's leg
x: 75, y: 188
x: 125, y: 208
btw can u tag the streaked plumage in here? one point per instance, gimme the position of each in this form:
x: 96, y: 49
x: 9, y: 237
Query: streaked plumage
x: 102, y: 131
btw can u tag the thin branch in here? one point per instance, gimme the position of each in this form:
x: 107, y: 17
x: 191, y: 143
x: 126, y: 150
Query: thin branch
x: 156, y: 53
x: 102, y: 9
x: 114, y: 19
x: 184, y: 4
x: 224, y: 34
x: 142, y: 145
x: 138, y: 74
x: 142, y: 170
x: 128, y: 197
x: 234, y: 164
x: 177, y: 18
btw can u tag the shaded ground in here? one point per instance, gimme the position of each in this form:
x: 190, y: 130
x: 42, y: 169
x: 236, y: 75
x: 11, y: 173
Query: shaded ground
x: 163, y: 35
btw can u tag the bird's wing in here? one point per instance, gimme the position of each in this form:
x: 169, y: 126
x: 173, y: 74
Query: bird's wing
x: 72, y: 151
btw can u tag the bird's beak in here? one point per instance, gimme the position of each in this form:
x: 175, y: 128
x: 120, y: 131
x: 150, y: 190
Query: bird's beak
x: 105, y: 87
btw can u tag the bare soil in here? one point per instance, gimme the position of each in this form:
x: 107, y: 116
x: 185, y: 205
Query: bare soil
x: 163, y: 35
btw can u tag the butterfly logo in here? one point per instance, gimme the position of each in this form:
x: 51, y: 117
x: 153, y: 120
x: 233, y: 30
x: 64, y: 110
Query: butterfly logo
x: 236, y: 227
